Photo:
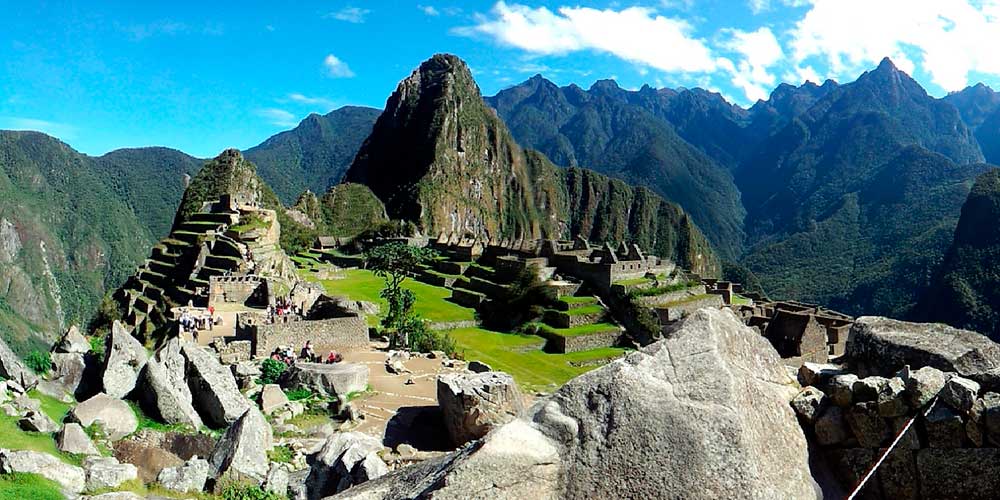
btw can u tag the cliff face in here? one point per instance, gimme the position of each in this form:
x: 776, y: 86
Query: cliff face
x: 440, y: 157
x: 229, y: 173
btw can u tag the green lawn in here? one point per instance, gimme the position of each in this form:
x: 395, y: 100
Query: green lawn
x: 19, y: 486
x: 521, y: 356
x: 580, y: 311
x: 633, y: 282
x: 360, y: 284
x: 580, y: 330
x: 588, y: 299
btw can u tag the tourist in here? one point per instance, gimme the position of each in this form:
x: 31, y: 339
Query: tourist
x: 307, y: 352
x: 334, y: 357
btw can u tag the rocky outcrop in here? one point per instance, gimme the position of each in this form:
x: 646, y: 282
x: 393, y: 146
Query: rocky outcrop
x: 107, y: 473
x: 473, y: 404
x: 187, y: 478
x: 272, y: 398
x: 12, y: 368
x: 113, y: 415
x: 880, y: 345
x: 697, y: 415
x: 72, y: 439
x: 72, y: 342
x: 37, y: 421
x: 69, y: 477
x: 242, y: 450
x: 346, y: 459
x: 213, y: 387
x: 69, y: 370
x: 165, y: 392
x: 124, y: 359
x: 329, y: 380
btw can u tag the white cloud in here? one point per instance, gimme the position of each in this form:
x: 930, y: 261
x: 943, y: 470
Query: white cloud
x: 429, y: 10
x: 758, y: 6
x: 635, y: 34
x: 349, y: 14
x: 949, y: 39
x: 337, y: 68
x: 310, y: 101
x: 55, y: 129
x: 758, y: 51
x: 278, y: 117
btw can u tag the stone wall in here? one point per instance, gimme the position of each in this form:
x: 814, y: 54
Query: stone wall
x: 234, y: 289
x: 340, y: 334
x: 234, y: 351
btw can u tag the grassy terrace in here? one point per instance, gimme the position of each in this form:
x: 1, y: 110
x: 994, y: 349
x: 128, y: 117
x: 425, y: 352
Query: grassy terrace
x: 633, y: 282
x: 580, y: 311
x: 361, y: 284
x: 693, y: 298
x: 579, y: 330
x: 579, y: 300
x: 11, y: 435
x: 521, y: 356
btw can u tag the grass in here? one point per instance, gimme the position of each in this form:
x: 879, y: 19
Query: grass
x: 740, y: 300
x: 313, y: 417
x: 361, y: 284
x: 660, y: 290
x: 522, y: 357
x: 280, y: 454
x: 580, y: 311
x: 18, y: 486
x: 147, y: 422
x: 685, y: 300
x: 579, y: 330
x: 12, y: 437
x: 579, y: 300
x: 633, y: 282
x: 54, y: 408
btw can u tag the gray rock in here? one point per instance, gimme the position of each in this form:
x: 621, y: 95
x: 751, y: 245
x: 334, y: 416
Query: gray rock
x: 808, y: 404
x: 188, y: 478
x: 831, y: 427
x: 13, y: 369
x: 15, y: 388
x: 887, y: 344
x: 891, y: 399
x: 68, y: 370
x: 124, y: 358
x: 106, y: 472
x: 53, y: 390
x: 329, y: 380
x: 817, y: 374
x: 213, y: 387
x: 246, y: 373
x: 960, y: 393
x: 989, y: 416
x: 476, y: 366
x: 118, y: 495
x: 242, y: 450
x: 71, y: 478
x: 72, y: 342
x: 73, y: 439
x: 473, y: 404
x: 868, y: 388
x: 967, y: 474
x: 165, y: 392
x: 923, y: 384
x: 36, y: 421
x: 944, y: 428
x: 272, y: 398
x: 638, y: 427
x: 840, y: 389
x: 868, y: 427
x: 24, y: 403
x: 277, y: 479
x: 114, y: 416
x: 975, y: 429
x: 346, y: 459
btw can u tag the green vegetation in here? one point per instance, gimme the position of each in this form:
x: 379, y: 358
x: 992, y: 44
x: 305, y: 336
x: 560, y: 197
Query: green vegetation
x: 521, y: 302
x: 660, y: 290
x: 21, y: 486
x: 521, y: 356
x: 54, y: 408
x: 393, y: 262
x: 12, y: 437
x: 247, y: 491
x: 431, y: 303
x: 249, y: 223
x: 298, y: 394
x: 40, y: 362
x: 281, y: 454
x: 577, y: 330
x: 581, y: 311
x: 271, y: 371
x: 147, y: 422
x: 589, y: 299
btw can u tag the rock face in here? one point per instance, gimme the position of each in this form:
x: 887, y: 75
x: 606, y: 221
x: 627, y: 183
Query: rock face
x: 124, y: 359
x: 106, y: 472
x: 36, y: 421
x: 272, y: 398
x: 72, y: 342
x: 889, y: 344
x: 70, y: 477
x: 346, y: 459
x: 190, y: 477
x: 638, y: 428
x: 165, y: 392
x: 12, y: 368
x: 330, y: 380
x: 213, y: 387
x: 72, y: 439
x: 69, y: 369
x: 113, y: 415
x: 242, y: 450
x: 473, y: 404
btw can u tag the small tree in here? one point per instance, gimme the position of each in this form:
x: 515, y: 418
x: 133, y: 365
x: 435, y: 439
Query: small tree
x: 393, y: 262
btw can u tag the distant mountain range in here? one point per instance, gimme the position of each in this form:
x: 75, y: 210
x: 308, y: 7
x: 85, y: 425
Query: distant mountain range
x: 844, y: 194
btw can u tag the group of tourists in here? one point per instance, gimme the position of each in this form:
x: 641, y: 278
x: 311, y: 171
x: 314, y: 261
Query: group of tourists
x: 286, y: 355
x: 192, y: 321
x: 284, y: 311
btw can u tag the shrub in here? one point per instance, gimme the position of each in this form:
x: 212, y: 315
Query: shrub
x: 423, y: 339
x: 280, y: 454
x: 40, y: 362
x: 271, y: 370
x: 298, y: 394
x: 247, y: 491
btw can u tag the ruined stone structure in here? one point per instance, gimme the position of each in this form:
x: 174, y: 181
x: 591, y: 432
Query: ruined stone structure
x: 800, y: 332
x: 238, y: 290
x: 333, y: 334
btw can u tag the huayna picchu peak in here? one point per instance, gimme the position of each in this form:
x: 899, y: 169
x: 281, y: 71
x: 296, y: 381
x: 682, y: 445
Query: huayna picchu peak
x: 691, y: 256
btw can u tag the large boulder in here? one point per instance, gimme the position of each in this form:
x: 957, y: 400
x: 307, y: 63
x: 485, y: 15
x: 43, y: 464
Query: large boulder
x: 329, y: 380
x: 886, y: 345
x: 37, y: 421
x: 241, y: 453
x: 346, y: 459
x: 697, y: 415
x: 272, y: 398
x: 213, y: 387
x: 72, y: 439
x: 124, y: 358
x: 70, y: 478
x: 473, y: 404
x: 187, y: 478
x: 13, y: 368
x: 68, y: 370
x: 113, y: 415
x: 165, y: 392
x: 72, y: 342
x: 107, y: 473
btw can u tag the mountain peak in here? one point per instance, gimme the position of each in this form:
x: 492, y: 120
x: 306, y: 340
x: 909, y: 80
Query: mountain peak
x: 886, y: 65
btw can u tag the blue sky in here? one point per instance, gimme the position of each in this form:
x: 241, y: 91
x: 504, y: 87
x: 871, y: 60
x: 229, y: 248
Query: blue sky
x: 204, y: 76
